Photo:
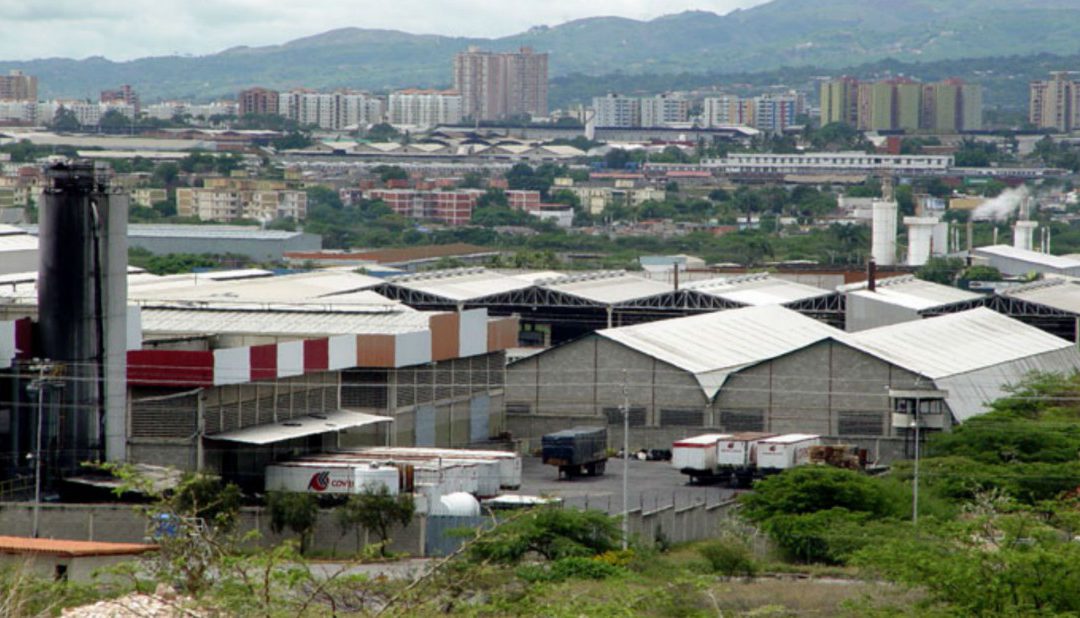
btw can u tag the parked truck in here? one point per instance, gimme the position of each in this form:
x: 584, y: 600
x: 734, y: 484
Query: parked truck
x: 785, y: 452
x: 576, y: 452
x: 736, y: 457
x: 696, y: 456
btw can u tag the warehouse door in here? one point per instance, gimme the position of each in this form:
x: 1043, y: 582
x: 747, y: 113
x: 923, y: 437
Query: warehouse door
x: 425, y: 425
x: 479, y: 418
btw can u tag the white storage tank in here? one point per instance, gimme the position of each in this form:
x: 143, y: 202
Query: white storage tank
x: 458, y: 504
x: 920, y: 239
x: 883, y: 233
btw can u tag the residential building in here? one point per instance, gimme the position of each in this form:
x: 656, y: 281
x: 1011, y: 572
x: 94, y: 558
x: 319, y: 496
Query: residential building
x: 230, y: 204
x: 333, y: 111
x: 124, y: 94
x: 1055, y: 103
x: 258, y: 101
x: 948, y: 106
x: 723, y: 111
x: 172, y: 109
x: 664, y: 110
x: 772, y: 113
x: 450, y: 207
x: 496, y: 86
x: 147, y: 197
x: 17, y: 86
x: 425, y: 108
x: 615, y: 110
x: 840, y: 101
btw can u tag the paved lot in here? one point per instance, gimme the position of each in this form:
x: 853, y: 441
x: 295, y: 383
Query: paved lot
x: 652, y: 484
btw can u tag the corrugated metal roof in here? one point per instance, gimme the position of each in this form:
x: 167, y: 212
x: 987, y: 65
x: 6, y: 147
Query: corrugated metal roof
x: 270, y: 321
x: 1061, y: 293
x: 299, y: 427
x: 1033, y: 257
x: 971, y: 393
x: 324, y: 287
x: 956, y: 343
x: 756, y: 290
x: 912, y: 292
x: 713, y: 345
x: 461, y: 284
x: 606, y: 287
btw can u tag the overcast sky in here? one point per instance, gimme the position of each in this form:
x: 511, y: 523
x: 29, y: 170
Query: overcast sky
x: 126, y: 29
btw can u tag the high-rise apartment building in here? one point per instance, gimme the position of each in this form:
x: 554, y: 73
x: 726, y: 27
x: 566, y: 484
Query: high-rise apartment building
x: 17, y: 86
x: 616, y: 110
x: 425, y: 108
x: 771, y: 113
x: 334, y: 111
x: 496, y: 86
x: 258, y: 101
x: 902, y: 104
x: 664, y: 110
x: 1055, y: 103
x: 125, y: 95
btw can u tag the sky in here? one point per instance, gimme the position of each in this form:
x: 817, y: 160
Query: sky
x: 127, y: 29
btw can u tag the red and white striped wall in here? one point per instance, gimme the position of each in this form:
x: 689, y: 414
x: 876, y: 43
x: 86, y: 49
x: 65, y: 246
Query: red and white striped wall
x: 449, y: 335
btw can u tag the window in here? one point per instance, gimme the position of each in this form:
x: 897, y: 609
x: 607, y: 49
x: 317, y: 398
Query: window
x: 614, y: 416
x: 742, y: 420
x: 860, y: 424
x: 686, y: 417
x: 518, y: 408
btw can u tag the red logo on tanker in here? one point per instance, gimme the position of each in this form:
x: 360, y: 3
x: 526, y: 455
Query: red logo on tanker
x: 320, y: 481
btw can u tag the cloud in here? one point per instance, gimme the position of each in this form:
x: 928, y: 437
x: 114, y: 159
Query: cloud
x: 126, y: 29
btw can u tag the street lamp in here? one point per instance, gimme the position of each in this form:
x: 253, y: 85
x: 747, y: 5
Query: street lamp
x: 915, y: 409
x: 626, y: 465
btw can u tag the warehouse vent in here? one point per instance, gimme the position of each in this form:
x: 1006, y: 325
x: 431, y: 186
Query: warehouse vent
x: 860, y: 424
x: 172, y: 416
x: 518, y: 408
x: 742, y: 420
x: 685, y: 417
x: 614, y: 416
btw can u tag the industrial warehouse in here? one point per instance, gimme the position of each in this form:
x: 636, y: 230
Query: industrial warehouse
x: 772, y: 369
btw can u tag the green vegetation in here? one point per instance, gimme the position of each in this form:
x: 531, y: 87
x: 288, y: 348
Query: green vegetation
x: 176, y: 263
x: 375, y: 510
x: 294, y: 511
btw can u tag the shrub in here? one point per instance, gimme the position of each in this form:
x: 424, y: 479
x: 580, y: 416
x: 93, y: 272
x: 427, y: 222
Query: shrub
x: 729, y: 557
x: 574, y: 567
x: 818, y: 488
x: 550, y: 532
x: 831, y: 536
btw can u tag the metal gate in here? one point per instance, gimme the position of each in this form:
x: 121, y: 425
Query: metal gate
x: 442, y: 538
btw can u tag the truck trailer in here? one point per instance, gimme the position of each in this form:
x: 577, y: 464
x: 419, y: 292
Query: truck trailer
x: 576, y: 452
x: 696, y: 456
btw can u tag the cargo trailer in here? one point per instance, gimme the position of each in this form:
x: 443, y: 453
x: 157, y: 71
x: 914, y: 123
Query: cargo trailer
x: 696, y: 456
x: 784, y: 452
x: 577, y: 451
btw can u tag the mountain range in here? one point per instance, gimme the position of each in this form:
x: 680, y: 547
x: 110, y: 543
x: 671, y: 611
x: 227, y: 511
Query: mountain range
x: 829, y: 34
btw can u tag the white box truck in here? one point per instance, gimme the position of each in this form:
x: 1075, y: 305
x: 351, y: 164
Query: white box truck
x: 784, y: 452
x: 696, y: 456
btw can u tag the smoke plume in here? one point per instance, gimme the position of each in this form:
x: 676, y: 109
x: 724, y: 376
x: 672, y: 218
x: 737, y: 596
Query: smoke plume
x: 1001, y: 207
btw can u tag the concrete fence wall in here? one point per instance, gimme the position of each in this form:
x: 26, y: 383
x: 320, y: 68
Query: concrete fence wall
x: 121, y: 523
x: 671, y: 524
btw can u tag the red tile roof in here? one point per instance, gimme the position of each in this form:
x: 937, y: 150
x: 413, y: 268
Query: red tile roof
x: 69, y: 549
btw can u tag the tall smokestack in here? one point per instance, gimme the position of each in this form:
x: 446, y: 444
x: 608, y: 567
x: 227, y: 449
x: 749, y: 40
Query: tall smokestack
x: 871, y: 275
x: 82, y: 307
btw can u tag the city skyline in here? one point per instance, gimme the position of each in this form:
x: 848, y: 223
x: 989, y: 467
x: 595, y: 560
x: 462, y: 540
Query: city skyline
x: 116, y: 31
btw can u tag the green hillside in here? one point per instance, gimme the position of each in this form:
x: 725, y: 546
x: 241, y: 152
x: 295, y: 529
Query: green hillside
x: 828, y: 34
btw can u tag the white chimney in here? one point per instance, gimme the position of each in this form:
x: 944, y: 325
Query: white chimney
x: 883, y: 233
x: 941, y: 238
x: 1023, y: 234
x: 921, y: 233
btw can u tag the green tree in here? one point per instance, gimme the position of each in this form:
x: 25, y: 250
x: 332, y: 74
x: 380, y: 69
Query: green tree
x: 382, y: 132
x: 375, y: 509
x: 298, y: 512
x: 114, y: 121
x: 940, y: 270
x: 390, y: 172
x: 65, y: 121
x: 321, y: 196
x: 550, y: 533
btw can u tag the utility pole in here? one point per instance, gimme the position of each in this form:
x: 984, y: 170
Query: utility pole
x: 915, y: 481
x: 626, y: 464
x: 38, y: 385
